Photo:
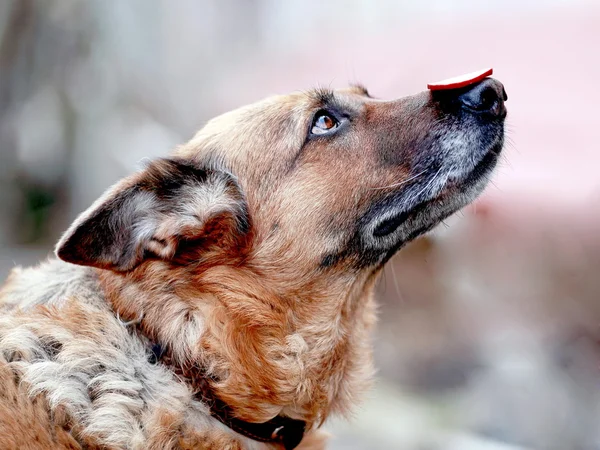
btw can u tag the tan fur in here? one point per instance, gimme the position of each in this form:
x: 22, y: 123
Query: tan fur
x: 236, y: 255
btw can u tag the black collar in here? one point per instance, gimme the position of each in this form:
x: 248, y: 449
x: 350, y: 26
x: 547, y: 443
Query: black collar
x: 280, y: 429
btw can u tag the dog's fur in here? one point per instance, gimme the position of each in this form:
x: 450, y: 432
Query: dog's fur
x: 251, y: 254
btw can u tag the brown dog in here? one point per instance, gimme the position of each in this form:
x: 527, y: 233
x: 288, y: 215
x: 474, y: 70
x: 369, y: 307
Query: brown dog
x: 222, y: 298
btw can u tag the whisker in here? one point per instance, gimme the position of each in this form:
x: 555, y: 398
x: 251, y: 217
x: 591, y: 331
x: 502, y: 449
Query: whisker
x: 396, y: 284
x: 434, y: 178
x: 506, y: 161
x: 384, y: 282
x: 402, y: 182
x: 493, y: 183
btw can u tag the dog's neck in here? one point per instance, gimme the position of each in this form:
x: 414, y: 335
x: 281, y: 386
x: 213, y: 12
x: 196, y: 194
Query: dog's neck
x: 303, y: 357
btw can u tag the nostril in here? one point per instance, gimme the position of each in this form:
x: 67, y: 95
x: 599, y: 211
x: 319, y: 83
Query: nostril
x: 487, y: 99
x: 487, y: 96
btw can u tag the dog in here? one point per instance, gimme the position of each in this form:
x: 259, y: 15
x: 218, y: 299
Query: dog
x: 222, y: 297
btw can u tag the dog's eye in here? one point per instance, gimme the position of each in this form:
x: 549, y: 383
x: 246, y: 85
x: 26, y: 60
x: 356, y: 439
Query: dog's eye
x: 323, y: 123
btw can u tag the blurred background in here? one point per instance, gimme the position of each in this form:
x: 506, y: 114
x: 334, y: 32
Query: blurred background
x: 489, y: 327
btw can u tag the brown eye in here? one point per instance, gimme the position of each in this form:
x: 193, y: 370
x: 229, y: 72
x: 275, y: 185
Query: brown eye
x: 323, y: 123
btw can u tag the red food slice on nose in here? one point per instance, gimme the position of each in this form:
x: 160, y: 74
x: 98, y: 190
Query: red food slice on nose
x: 460, y: 81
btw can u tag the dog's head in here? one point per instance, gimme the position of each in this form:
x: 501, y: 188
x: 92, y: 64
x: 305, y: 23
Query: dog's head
x: 325, y: 181
x: 286, y: 209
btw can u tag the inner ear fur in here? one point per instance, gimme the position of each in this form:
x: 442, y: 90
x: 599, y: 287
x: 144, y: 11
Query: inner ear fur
x: 151, y: 213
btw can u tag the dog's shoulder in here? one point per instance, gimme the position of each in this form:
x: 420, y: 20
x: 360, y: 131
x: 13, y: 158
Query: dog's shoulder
x: 73, y: 369
x: 27, y: 421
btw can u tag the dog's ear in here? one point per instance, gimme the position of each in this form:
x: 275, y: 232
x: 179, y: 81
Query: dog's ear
x: 154, y: 212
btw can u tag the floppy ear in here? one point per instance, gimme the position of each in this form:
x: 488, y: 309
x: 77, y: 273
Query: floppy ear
x: 152, y: 213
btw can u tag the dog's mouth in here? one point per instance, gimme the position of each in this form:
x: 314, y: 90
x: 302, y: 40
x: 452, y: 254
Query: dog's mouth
x: 481, y: 170
x: 469, y: 186
x: 441, y: 194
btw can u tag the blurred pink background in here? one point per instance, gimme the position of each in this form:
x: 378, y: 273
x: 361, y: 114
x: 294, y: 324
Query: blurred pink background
x: 489, y: 327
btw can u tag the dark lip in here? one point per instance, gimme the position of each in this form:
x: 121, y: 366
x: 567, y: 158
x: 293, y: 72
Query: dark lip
x: 483, y: 168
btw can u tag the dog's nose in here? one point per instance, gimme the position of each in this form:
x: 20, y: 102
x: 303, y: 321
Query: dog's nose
x: 487, y: 96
